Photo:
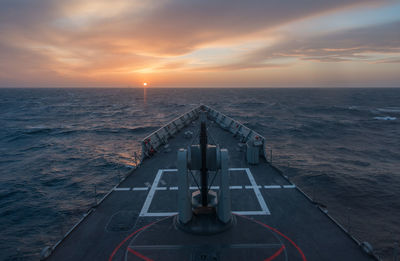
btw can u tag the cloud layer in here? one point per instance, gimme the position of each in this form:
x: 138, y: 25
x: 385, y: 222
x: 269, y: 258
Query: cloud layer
x: 117, y: 42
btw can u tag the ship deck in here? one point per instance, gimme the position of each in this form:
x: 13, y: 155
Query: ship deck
x: 274, y: 219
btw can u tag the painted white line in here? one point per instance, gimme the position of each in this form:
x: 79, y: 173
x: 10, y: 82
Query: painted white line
x: 260, y: 198
x: 142, y: 188
x: 231, y: 169
x: 150, y: 195
x: 250, y: 213
x: 251, y: 187
x: 167, y: 214
x: 158, y: 214
x: 272, y: 186
x: 144, y: 212
x: 122, y: 189
x: 289, y: 186
x: 212, y: 187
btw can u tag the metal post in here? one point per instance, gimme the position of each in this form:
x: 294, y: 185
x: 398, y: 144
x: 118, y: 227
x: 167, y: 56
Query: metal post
x: 224, y: 196
x: 135, y: 156
x: 184, y: 196
x: 270, y: 155
x: 203, y: 148
x: 395, y: 251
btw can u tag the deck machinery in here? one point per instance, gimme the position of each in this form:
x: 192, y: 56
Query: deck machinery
x: 203, y: 211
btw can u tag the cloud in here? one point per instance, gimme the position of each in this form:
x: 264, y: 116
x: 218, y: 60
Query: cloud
x: 88, y: 38
x: 359, y: 44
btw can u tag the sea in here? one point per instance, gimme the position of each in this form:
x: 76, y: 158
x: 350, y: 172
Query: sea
x: 63, y: 148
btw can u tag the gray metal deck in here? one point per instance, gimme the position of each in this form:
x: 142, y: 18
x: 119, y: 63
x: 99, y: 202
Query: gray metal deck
x: 274, y: 220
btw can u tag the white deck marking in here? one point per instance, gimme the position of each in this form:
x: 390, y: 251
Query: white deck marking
x: 144, y: 212
x: 289, y: 186
x: 272, y: 186
x: 237, y: 169
x: 212, y: 187
x: 138, y: 189
x: 158, y: 214
x: 231, y: 169
x: 122, y: 189
x: 170, y: 170
x: 260, y: 198
x: 251, y: 213
x: 150, y: 196
x: 251, y: 187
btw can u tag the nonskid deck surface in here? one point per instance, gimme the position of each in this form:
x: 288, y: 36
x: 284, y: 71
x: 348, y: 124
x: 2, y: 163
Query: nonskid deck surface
x: 274, y: 221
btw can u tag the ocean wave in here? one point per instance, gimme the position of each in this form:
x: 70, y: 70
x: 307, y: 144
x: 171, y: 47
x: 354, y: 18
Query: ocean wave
x: 385, y: 118
x: 37, y: 130
x: 22, y: 134
x: 389, y: 109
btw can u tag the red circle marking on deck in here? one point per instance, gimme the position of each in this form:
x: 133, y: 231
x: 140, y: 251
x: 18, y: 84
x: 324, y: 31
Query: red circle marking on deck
x: 286, y: 237
x: 128, y: 237
x: 277, y: 253
x: 258, y: 222
x: 136, y: 253
x: 281, y: 234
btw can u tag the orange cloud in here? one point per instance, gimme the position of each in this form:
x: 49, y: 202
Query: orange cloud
x: 101, y: 42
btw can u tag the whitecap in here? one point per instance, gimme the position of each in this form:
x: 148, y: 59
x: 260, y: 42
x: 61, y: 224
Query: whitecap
x: 386, y: 118
x: 389, y: 109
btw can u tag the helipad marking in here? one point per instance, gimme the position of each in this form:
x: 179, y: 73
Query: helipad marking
x: 114, y: 252
x: 251, y: 187
x: 149, y: 197
x: 212, y: 187
x: 256, y: 188
x: 145, y: 188
x: 260, y: 198
x: 273, y: 187
x: 289, y: 186
x: 122, y: 189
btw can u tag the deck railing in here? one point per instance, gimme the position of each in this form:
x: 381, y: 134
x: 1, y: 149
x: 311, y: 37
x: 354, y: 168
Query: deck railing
x: 155, y: 140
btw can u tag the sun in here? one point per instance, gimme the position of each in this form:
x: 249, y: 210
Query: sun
x: 145, y: 84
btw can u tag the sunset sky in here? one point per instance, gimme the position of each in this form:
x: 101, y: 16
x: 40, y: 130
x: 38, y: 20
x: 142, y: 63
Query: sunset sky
x: 193, y: 43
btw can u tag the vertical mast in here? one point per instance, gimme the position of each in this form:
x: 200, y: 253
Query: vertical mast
x: 203, y: 148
